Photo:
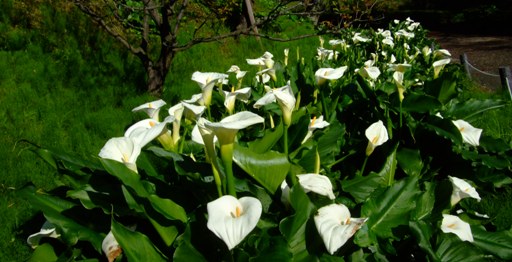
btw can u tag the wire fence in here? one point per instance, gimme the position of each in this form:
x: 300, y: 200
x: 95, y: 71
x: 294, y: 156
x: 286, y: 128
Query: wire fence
x: 490, y: 81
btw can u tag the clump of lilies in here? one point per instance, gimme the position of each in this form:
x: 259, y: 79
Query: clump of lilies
x: 348, y: 155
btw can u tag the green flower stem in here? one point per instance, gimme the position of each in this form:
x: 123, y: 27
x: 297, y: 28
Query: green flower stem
x: 226, y: 153
x: 291, y: 178
x: 324, y: 105
x: 218, y: 181
x: 400, y: 114
x: 364, y: 166
x: 285, y: 139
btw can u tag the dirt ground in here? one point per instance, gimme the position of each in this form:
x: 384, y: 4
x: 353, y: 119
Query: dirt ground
x: 486, y: 53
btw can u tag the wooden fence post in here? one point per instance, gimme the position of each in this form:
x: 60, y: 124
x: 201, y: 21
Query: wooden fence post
x: 506, y: 79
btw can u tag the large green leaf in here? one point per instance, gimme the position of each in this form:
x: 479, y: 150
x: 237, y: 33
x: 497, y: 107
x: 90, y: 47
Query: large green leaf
x: 425, y: 202
x: 185, y: 251
x: 268, y: 141
x: 423, y: 233
x: 361, y: 187
x: 58, y: 159
x: 391, y: 207
x: 44, y: 201
x: 496, y: 243
x: 451, y: 248
x: 43, y: 253
x: 330, y: 142
x: 268, y: 169
x: 168, y: 208
x: 294, y: 227
x: 471, y: 107
x: 410, y: 161
x: 444, y: 128
x: 421, y: 103
x: 126, y: 175
x: 136, y: 246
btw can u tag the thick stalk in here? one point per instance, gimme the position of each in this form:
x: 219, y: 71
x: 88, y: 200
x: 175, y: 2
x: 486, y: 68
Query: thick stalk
x: 226, y: 153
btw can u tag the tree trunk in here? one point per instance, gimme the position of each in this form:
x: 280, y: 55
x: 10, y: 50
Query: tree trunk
x: 155, y: 80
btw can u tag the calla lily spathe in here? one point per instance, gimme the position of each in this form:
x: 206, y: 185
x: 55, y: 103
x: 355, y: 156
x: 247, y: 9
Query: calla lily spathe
x: 470, y: 134
x: 47, y: 230
x: 122, y: 149
x: 326, y: 54
x: 111, y: 247
x: 439, y: 65
x: 226, y: 129
x: 265, y: 60
x: 462, y: 189
x: 453, y: 224
x: 324, y: 74
x: 232, y: 219
x: 377, y: 135
x: 151, y: 108
x: 230, y: 98
x: 335, y: 226
x: 284, y: 97
x: 316, y: 183
x: 315, y: 123
x: 146, y: 130
x: 207, y: 81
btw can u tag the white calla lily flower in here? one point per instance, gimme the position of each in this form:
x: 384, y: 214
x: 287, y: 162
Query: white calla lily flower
x: 324, y: 74
x: 453, y: 224
x: 335, y: 226
x: 377, y: 135
x: 227, y: 128
x: 398, y: 77
x: 264, y: 60
x: 207, y: 81
x: 439, y: 65
x: 111, y: 247
x: 195, y: 99
x: 239, y: 73
x: 315, y: 123
x: 146, y: 130
x: 122, y: 149
x: 47, y: 230
x: 284, y: 97
x: 151, y: 108
x: 316, y: 183
x: 358, y: 38
x: 470, y: 134
x: 230, y: 98
x: 326, y: 54
x: 232, y: 219
x: 462, y: 189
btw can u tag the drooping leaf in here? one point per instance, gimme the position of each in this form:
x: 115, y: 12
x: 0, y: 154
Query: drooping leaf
x: 168, y: 208
x: 136, y: 246
x: 185, y: 251
x: 43, y: 253
x: 496, y: 243
x: 444, y: 128
x: 268, y: 169
x: 391, y: 207
x: 451, y: 248
x: 472, y: 107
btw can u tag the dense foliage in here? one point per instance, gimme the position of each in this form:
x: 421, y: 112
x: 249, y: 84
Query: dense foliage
x: 360, y: 153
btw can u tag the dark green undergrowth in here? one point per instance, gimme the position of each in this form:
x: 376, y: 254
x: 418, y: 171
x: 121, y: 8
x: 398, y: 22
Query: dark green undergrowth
x: 70, y: 90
